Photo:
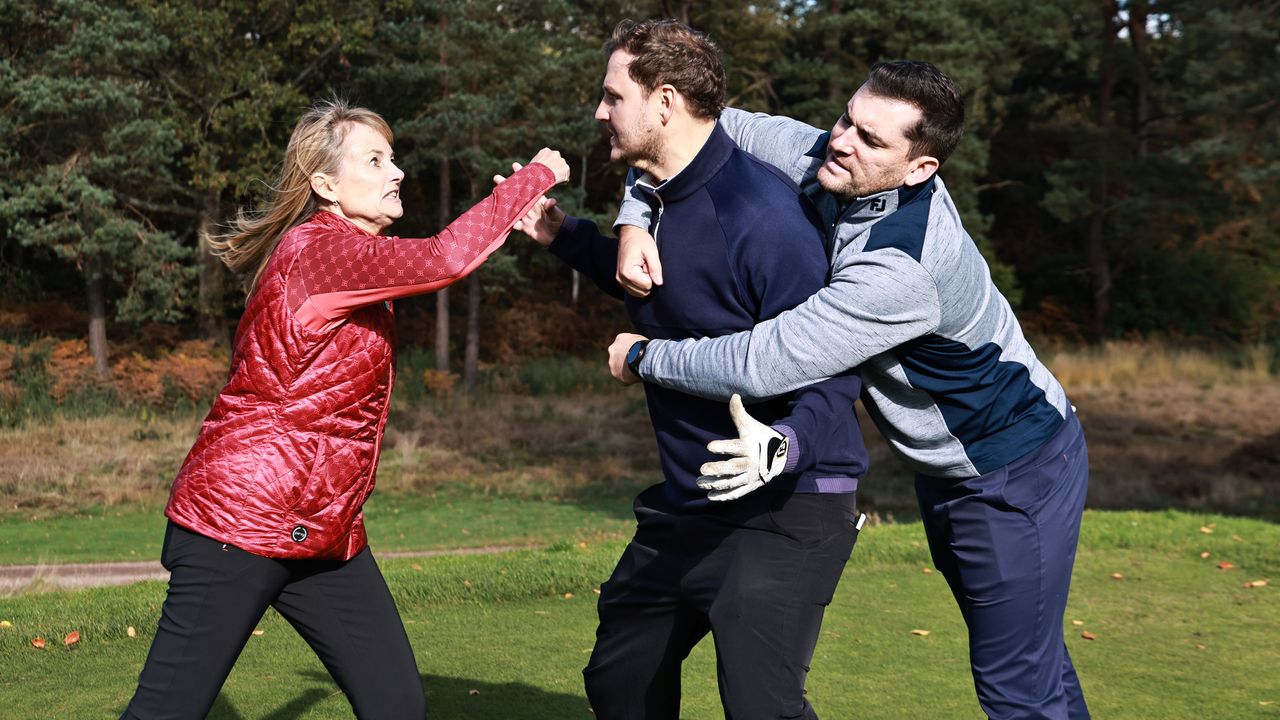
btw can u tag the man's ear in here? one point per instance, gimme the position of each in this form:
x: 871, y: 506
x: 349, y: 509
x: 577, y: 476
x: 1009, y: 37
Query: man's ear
x: 323, y: 185
x: 666, y: 102
x: 920, y: 170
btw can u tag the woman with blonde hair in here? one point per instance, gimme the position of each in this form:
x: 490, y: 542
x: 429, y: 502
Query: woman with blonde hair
x: 266, y: 509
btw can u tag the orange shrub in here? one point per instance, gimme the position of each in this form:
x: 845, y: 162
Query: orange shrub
x: 439, y: 382
x: 194, y: 370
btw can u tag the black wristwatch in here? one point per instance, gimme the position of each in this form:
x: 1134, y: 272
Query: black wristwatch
x: 636, y: 354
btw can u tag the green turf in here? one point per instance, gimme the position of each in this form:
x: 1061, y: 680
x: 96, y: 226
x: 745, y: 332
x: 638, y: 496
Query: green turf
x: 1175, y: 637
x: 451, y: 518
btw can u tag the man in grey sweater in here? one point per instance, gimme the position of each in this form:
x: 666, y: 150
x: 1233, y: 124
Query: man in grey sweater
x: 949, y: 379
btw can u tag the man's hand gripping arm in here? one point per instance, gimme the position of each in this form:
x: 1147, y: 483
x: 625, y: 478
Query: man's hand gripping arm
x: 780, y: 141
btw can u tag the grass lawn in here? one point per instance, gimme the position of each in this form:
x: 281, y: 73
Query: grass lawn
x: 445, y: 518
x: 506, y: 636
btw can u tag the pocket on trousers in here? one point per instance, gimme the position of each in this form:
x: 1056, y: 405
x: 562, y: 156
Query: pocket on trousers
x: 826, y: 526
x: 184, y: 547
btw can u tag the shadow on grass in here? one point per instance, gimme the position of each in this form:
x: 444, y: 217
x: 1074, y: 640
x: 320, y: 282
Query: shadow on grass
x: 448, y: 698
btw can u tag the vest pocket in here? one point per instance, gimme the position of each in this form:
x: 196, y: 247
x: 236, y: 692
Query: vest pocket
x: 333, y: 479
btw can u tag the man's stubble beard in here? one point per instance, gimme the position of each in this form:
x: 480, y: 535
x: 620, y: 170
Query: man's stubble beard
x: 648, y: 152
x: 847, y: 190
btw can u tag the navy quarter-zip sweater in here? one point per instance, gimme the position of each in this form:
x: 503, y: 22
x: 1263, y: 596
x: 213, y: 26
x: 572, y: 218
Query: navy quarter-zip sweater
x: 739, y: 245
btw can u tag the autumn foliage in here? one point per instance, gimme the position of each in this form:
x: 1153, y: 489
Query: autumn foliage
x: 60, y: 371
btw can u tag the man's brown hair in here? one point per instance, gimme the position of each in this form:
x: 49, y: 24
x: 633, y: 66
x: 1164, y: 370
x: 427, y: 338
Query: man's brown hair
x: 668, y: 52
x: 937, y: 96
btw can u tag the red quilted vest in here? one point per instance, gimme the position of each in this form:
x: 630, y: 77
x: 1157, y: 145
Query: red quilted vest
x: 287, y: 455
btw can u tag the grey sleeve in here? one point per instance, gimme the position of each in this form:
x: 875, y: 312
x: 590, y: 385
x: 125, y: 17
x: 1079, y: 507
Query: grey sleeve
x: 780, y: 141
x: 634, y: 209
x: 876, y: 301
x: 784, y: 143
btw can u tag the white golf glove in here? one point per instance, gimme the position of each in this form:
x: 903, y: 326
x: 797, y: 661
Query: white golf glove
x: 759, y: 454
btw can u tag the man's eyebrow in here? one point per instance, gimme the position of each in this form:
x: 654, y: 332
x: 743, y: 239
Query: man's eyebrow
x: 871, y: 135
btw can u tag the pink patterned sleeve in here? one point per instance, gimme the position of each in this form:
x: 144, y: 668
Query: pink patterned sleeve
x: 340, y: 272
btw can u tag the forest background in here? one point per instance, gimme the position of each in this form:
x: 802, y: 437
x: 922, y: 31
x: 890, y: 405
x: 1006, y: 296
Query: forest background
x: 1119, y: 170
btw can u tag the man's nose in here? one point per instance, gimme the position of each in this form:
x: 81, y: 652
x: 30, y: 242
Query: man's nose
x: 841, y: 143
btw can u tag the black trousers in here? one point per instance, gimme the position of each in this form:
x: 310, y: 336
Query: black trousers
x: 756, y: 573
x: 217, y: 595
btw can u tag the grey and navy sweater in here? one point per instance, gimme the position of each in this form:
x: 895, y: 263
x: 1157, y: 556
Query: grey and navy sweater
x: 740, y: 246
x: 949, y: 378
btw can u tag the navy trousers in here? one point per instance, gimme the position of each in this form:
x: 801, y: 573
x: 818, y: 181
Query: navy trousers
x: 1006, y: 542
x: 757, y: 573
x: 217, y: 595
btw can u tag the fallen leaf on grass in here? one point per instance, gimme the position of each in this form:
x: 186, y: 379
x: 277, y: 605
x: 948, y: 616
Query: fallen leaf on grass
x: 416, y: 567
x: 72, y: 638
x: 1256, y: 583
x: 259, y: 633
x: 926, y: 570
x: 1206, y: 530
x: 131, y: 632
x: 1088, y: 635
x: 1077, y: 623
x: 595, y: 590
x: 568, y: 596
x: 921, y: 633
x: 1199, y: 646
x: 1117, y: 576
x: 1204, y: 554
x: 5, y: 624
x: 37, y: 642
x: 473, y: 692
x: 1224, y: 565
x: 583, y: 544
x: 466, y: 583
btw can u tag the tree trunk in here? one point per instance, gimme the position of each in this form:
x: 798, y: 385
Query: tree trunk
x: 471, y: 353
x: 577, y: 276
x: 442, y: 297
x: 446, y: 215
x: 1138, y: 13
x: 96, y: 288
x: 213, y: 318
x: 471, y: 358
x: 681, y: 13
x: 1095, y: 243
x: 839, y: 89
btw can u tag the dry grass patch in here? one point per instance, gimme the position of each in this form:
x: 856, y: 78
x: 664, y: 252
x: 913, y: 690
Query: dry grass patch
x: 1126, y: 365
x: 532, y: 446
x: 71, y: 463
x: 1166, y: 428
x: 1184, y: 446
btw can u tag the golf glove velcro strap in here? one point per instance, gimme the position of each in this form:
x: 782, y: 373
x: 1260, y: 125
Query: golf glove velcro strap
x: 758, y: 455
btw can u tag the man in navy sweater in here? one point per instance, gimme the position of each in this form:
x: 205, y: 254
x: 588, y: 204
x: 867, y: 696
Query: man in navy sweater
x: 740, y: 247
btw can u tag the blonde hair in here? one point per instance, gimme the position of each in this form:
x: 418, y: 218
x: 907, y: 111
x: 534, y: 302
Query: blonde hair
x: 315, y: 147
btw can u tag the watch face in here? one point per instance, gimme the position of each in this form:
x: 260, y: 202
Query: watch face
x: 633, y: 353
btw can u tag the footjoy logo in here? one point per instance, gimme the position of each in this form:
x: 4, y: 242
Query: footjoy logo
x: 877, y: 205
